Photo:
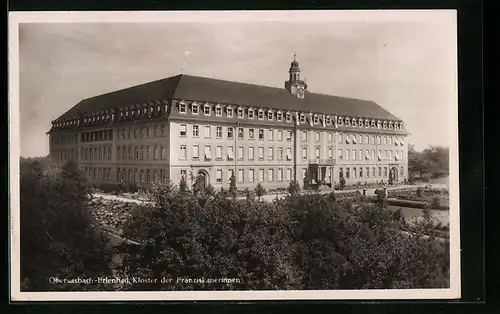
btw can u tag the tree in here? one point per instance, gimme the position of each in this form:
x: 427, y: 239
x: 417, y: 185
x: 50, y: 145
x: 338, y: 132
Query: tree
x: 433, y: 160
x: 232, y: 186
x: 57, y: 235
x: 209, y: 190
x: 183, y: 188
x: 260, y: 191
x: 294, y: 188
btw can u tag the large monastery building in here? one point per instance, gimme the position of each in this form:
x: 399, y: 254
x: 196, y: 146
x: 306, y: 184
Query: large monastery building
x: 186, y: 125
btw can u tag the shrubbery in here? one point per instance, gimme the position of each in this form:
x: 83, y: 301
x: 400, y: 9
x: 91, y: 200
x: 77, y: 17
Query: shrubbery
x: 308, y: 241
x: 57, y: 237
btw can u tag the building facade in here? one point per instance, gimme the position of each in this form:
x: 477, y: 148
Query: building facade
x: 212, y: 129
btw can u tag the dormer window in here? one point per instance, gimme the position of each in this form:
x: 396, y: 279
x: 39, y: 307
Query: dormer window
x: 347, y: 122
x: 401, y: 125
x: 340, y: 121
x: 360, y: 122
x: 390, y: 125
x: 138, y: 111
x: 158, y: 108
x: 150, y: 110
x: 379, y: 124
x: 315, y: 119
x: 302, y: 118
x: 372, y: 123
x: 184, y: 111
x: 229, y: 112
x: 195, y: 109
x: 261, y: 114
x: 218, y: 111
x: 207, y: 110
x: 328, y: 120
x: 384, y: 125
x: 288, y: 117
x: 182, y: 108
x: 240, y: 113
x: 279, y: 116
x: 270, y: 115
x: 354, y: 124
x: 251, y: 113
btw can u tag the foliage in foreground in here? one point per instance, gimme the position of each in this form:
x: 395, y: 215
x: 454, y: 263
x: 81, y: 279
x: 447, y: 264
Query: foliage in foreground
x: 57, y: 239
x: 306, y: 241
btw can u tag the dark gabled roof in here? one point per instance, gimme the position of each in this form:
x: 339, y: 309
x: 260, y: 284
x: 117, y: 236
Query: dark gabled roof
x: 203, y: 89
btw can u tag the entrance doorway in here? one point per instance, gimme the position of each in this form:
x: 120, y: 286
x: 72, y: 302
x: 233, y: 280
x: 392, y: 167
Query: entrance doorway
x: 202, y: 179
x: 393, y: 175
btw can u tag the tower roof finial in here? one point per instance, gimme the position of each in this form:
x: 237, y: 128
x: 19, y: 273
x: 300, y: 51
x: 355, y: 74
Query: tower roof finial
x: 294, y: 57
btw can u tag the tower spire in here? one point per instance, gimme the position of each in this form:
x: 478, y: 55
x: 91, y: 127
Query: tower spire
x: 294, y: 84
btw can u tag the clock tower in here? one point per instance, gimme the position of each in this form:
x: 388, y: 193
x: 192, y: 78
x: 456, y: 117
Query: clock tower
x: 294, y: 85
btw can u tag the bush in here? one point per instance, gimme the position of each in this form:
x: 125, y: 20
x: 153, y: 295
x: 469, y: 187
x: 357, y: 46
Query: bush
x: 299, y: 242
x: 260, y: 190
x: 342, y: 183
x: 294, y: 188
x: 57, y: 235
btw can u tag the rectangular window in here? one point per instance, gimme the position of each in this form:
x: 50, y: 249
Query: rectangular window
x: 379, y: 171
x: 340, y: 154
x: 270, y: 135
x: 385, y: 140
x: 288, y: 174
x: 260, y: 115
x: 330, y: 153
x: 240, y: 133
x: 330, y: 137
x: 218, y: 132
x: 208, y: 152
x: 196, y: 130
x: 280, y: 135
x: 240, y: 175
x: 347, y: 173
x: 261, y: 175
x: 251, y: 175
x: 182, y: 108
x: 218, y: 111
x: 218, y: 152
x: 149, y: 149
x: 162, y: 130
x: 360, y: 172
x: 318, y: 136
x: 207, y: 131
x: 230, y: 174
x: 270, y: 175
x: 289, y: 153
x: 315, y: 120
x: 229, y: 112
x: 279, y: 153
x: 251, y: 114
x: 251, y: 153
x: 240, y: 113
x: 304, y: 152
x: 206, y: 110
x: 229, y: 132
x: 182, y: 132
x: 289, y: 136
x: 353, y: 154
x: 230, y: 153
x: 318, y: 152
x: 288, y: 117
x: 279, y: 116
x: 302, y: 118
x: 373, y: 140
x: 378, y: 140
x: 162, y: 152
x: 280, y: 174
x: 270, y: 151
x: 196, y: 151
x: 385, y: 171
x: 270, y: 115
x: 261, y: 152
x: 304, y: 136
x: 346, y: 154
x: 240, y: 152
x: 194, y: 109
x: 251, y: 134
x: 183, y: 174
x: 218, y: 176
x: 261, y: 134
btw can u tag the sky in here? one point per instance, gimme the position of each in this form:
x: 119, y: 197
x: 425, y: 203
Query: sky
x: 407, y: 66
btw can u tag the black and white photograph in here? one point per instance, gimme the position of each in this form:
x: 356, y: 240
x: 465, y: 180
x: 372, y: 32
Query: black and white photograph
x: 245, y: 155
